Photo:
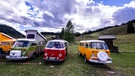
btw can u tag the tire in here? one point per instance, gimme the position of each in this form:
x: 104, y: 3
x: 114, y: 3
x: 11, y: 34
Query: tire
x: 33, y: 56
x: 66, y: 53
x: 85, y: 59
x: 79, y: 53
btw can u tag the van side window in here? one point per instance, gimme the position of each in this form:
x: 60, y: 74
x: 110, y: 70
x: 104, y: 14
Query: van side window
x: 90, y: 45
x: 33, y: 44
x: 86, y: 45
x: 94, y: 45
x: 80, y: 44
x: 39, y: 43
x: 31, y: 36
x: 5, y: 43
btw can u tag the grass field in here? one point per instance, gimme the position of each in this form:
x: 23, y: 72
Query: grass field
x: 74, y: 65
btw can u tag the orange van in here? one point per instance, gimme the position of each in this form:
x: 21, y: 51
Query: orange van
x: 6, y: 43
x: 94, y: 51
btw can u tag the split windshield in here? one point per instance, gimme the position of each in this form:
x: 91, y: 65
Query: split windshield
x: 55, y: 45
x: 98, y: 45
x: 21, y: 44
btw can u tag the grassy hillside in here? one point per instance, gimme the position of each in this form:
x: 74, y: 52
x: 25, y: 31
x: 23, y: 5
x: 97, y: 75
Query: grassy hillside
x: 10, y: 31
x: 120, y: 30
x: 126, y: 43
x: 115, y: 30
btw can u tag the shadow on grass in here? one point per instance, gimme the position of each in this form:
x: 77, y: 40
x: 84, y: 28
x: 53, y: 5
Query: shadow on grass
x: 99, y: 65
x: 52, y: 62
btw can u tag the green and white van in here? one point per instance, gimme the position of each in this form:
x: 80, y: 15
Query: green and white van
x: 28, y: 47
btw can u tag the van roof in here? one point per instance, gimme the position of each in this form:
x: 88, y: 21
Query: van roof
x: 24, y: 39
x: 92, y: 41
x: 57, y: 40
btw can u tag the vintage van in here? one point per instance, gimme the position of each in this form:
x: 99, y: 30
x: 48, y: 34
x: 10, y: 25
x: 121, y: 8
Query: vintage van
x: 6, y: 43
x: 5, y: 46
x: 24, y: 49
x: 27, y: 48
x: 94, y: 51
x: 56, y: 50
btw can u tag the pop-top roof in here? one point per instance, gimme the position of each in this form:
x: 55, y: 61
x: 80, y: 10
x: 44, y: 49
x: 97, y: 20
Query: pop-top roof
x: 37, y: 33
x: 5, y: 37
x: 107, y: 37
x: 92, y: 41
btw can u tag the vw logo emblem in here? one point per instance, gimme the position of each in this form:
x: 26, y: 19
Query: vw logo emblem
x: 13, y: 53
x: 52, y: 54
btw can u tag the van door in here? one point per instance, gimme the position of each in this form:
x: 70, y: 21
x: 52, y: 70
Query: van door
x: 82, y: 48
x: 88, y: 51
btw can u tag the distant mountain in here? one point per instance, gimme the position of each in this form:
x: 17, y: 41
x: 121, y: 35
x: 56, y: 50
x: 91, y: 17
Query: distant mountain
x: 115, y: 30
x: 118, y: 30
x: 10, y: 31
x: 50, y: 33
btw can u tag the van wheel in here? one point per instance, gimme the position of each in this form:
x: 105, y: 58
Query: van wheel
x: 85, y: 59
x: 79, y: 53
x: 33, y: 56
x: 66, y: 53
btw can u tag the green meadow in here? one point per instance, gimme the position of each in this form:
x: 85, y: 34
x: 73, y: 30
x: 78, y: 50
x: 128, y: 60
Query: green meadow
x: 74, y: 65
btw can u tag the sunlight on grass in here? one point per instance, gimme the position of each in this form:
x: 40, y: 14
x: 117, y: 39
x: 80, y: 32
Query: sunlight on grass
x: 74, y: 65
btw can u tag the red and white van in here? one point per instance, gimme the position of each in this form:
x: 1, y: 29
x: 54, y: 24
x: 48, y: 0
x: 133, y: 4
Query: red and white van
x: 55, y: 50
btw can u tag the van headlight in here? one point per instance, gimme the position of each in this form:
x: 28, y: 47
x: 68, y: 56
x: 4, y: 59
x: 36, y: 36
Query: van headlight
x: 60, y: 55
x: 92, y: 55
x: 45, y: 54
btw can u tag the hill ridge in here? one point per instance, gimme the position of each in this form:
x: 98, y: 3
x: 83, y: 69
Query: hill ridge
x: 10, y: 31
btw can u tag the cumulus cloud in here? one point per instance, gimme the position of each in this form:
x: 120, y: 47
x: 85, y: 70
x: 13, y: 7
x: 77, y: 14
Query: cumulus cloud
x: 124, y: 15
x: 52, y: 15
x: 54, y: 11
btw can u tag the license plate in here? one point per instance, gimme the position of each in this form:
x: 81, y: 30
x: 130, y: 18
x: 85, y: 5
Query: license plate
x: 13, y: 56
x: 51, y: 58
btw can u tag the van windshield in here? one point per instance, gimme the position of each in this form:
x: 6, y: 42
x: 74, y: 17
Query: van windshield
x: 21, y: 44
x: 55, y: 45
x: 98, y: 45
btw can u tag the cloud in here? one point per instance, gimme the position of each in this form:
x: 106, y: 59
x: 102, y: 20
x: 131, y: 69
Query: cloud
x: 54, y: 11
x: 124, y: 15
x: 52, y: 15
x: 91, y: 16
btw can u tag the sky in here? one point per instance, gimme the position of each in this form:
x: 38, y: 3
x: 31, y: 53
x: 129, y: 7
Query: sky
x: 53, y: 15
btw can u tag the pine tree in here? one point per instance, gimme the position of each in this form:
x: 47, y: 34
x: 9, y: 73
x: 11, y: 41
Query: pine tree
x: 130, y: 28
x: 62, y: 33
x: 67, y: 33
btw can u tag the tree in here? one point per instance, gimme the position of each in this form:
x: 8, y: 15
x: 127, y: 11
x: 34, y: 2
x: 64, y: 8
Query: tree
x: 77, y: 34
x: 68, y: 32
x: 62, y: 33
x: 130, y: 28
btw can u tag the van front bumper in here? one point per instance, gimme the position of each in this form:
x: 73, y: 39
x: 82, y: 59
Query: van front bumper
x: 54, y: 60
x: 16, y: 58
x: 99, y: 61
